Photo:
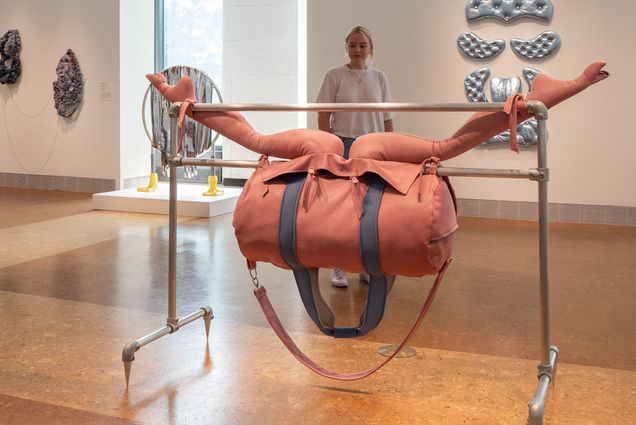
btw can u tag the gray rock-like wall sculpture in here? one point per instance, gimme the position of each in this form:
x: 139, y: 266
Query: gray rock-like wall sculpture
x: 541, y: 46
x: 508, y: 10
x: 469, y: 44
x: 10, y: 64
x: 68, y: 89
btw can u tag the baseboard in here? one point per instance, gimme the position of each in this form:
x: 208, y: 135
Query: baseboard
x: 484, y: 208
x: 64, y: 183
x: 234, y: 182
x: 566, y: 213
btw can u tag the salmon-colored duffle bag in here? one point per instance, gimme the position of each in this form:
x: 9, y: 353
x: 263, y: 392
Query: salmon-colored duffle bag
x: 360, y: 215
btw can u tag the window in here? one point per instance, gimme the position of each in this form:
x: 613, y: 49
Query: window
x: 254, y: 51
x: 190, y: 32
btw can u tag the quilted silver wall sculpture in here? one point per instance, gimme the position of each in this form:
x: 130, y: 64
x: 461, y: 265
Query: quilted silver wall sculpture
x: 500, y: 90
x: 68, y: 89
x: 508, y: 10
x: 472, y: 46
x: 543, y: 45
x: 10, y: 64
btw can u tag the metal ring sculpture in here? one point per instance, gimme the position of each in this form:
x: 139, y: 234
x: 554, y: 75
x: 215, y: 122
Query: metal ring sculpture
x: 198, y: 139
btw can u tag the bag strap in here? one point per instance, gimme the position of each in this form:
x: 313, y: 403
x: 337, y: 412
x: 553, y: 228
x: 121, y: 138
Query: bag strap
x: 275, y: 323
x: 307, y: 279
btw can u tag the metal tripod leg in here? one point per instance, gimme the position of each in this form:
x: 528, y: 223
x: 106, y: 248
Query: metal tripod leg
x: 173, y: 323
x: 547, y: 374
x: 128, y: 354
x: 549, y: 353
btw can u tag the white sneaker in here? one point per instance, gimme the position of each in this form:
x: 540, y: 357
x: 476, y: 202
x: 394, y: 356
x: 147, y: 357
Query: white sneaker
x: 364, y: 277
x: 339, y: 278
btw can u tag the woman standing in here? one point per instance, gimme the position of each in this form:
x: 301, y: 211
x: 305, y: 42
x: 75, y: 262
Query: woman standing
x: 355, y: 82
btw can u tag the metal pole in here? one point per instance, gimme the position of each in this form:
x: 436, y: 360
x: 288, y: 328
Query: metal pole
x: 350, y: 107
x: 542, y: 162
x: 172, y: 228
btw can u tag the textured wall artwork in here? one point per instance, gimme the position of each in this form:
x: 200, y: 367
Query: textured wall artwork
x: 543, y: 45
x: 10, y: 65
x: 472, y: 46
x: 508, y: 10
x: 68, y: 89
x: 469, y: 44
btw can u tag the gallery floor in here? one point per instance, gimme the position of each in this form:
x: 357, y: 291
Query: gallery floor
x: 76, y: 285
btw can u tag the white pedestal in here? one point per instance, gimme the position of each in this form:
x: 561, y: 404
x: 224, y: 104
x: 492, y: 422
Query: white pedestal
x: 190, y: 201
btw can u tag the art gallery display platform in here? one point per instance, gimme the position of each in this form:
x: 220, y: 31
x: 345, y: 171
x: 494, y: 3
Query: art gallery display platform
x: 190, y: 201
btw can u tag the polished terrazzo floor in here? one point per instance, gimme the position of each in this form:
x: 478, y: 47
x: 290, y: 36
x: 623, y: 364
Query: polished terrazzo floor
x: 76, y: 285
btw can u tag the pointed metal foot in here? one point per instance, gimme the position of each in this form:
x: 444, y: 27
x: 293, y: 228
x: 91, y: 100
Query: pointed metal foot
x: 127, y: 356
x: 207, y: 318
x: 127, y: 367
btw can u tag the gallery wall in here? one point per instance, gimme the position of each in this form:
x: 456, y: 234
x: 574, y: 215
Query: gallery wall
x: 260, y: 65
x: 103, y: 141
x: 591, y: 150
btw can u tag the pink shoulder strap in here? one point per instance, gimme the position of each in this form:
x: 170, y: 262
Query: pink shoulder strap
x: 277, y: 326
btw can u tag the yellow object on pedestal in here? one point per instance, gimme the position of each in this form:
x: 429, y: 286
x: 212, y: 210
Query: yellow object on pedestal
x: 152, y: 184
x: 212, y: 190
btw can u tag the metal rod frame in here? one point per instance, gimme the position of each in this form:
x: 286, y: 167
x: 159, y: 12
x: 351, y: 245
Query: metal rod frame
x: 549, y: 353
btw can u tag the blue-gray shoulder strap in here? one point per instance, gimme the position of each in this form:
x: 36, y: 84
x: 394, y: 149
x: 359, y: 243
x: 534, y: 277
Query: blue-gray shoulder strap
x: 307, y: 279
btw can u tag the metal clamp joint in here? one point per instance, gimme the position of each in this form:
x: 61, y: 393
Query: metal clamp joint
x: 544, y: 370
x: 173, y: 324
x: 539, y: 174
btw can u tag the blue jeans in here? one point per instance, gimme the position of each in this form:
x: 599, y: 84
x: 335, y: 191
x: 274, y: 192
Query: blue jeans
x: 348, y: 141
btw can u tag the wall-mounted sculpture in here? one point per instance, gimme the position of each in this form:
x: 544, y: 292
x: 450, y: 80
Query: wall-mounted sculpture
x: 508, y: 10
x: 500, y: 90
x: 10, y: 64
x: 68, y: 89
x: 469, y: 44
x: 475, y: 85
x: 543, y: 45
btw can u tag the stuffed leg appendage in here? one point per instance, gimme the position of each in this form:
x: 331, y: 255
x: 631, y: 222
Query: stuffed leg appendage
x: 479, y: 127
x: 381, y: 146
x: 286, y: 144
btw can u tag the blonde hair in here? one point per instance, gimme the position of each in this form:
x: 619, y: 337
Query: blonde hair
x: 359, y: 29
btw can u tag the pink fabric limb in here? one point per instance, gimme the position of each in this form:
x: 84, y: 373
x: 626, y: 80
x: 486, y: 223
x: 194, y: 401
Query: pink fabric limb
x: 286, y: 144
x: 479, y: 127
x: 383, y: 146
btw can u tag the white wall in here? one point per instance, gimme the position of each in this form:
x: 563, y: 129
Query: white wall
x: 259, y: 65
x: 591, y: 149
x: 88, y: 145
x: 136, y: 41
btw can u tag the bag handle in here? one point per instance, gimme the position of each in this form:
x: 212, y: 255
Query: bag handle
x: 307, y: 279
x: 322, y: 315
x: 277, y: 326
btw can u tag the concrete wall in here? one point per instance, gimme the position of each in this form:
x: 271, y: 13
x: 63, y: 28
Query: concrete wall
x: 591, y: 148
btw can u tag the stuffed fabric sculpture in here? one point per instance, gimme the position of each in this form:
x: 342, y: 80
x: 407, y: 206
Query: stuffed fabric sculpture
x: 383, y: 146
x: 384, y: 211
